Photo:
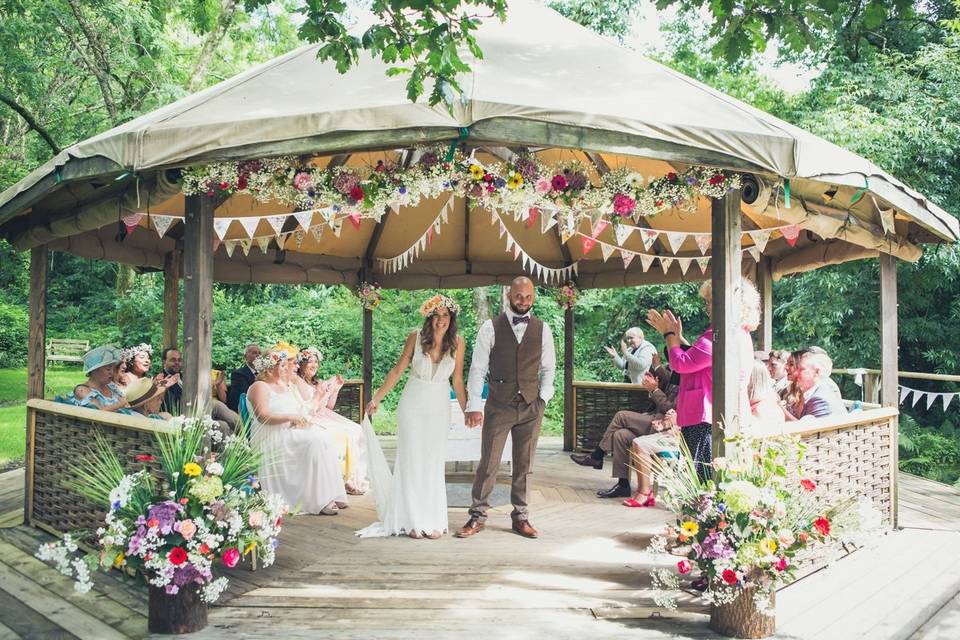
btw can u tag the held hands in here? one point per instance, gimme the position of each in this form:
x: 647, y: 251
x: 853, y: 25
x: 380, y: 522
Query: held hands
x: 473, y: 419
x: 372, y: 407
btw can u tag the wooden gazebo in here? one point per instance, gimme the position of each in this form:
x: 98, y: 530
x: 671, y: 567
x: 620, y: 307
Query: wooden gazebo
x: 209, y: 189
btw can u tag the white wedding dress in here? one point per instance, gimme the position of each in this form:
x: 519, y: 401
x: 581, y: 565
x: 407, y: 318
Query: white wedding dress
x: 300, y: 464
x: 414, y: 497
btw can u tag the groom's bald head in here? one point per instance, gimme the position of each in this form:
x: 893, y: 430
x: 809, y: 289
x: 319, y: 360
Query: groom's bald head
x: 521, y: 295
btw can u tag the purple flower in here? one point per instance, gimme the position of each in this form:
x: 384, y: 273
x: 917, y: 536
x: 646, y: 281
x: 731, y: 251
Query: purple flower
x: 345, y: 182
x: 429, y: 159
x: 527, y: 168
x: 185, y: 574
x: 500, y: 183
x: 577, y: 181
x: 166, y: 514
x: 115, y: 505
x: 721, y: 507
x: 402, y: 189
x: 691, y: 180
x: 172, y: 589
x: 714, y: 546
x: 275, y: 542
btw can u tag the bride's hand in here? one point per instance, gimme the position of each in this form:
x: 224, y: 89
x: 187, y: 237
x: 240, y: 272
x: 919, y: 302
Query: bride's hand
x: 372, y: 407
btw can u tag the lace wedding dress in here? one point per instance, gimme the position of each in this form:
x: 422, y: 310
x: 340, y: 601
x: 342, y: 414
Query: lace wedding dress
x: 298, y: 463
x: 414, y: 496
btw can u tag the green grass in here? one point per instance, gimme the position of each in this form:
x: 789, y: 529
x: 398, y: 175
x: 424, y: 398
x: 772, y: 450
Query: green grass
x: 13, y: 422
x: 13, y: 410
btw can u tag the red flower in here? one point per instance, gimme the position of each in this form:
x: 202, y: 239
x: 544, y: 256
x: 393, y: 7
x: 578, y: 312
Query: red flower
x: 684, y: 566
x: 231, y: 557
x: 559, y: 183
x: 242, y: 182
x: 143, y: 457
x: 184, y: 500
x: 203, y: 548
x: 177, y: 556
x: 380, y: 166
x: 357, y: 193
x: 808, y: 485
x: 658, y: 203
x: 717, y: 179
x: 279, y: 520
x: 224, y: 185
x: 729, y: 576
x: 822, y: 525
x: 722, y: 525
x: 671, y: 177
x: 487, y: 177
x: 782, y: 564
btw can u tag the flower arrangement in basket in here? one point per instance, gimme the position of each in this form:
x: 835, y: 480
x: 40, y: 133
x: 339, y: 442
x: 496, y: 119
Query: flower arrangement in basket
x: 567, y: 296
x: 171, y: 530
x: 368, y: 293
x: 749, y: 528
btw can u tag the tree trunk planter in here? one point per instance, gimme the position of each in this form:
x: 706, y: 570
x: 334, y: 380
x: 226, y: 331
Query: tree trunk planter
x: 183, y: 612
x: 740, y: 618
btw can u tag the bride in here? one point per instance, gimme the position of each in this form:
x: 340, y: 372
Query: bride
x: 299, y: 459
x: 414, y: 500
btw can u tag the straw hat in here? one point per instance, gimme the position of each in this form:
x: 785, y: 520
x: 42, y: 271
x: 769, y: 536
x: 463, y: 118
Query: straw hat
x: 140, y: 390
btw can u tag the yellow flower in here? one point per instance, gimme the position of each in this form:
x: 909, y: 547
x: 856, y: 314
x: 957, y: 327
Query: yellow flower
x: 476, y: 171
x: 250, y: 547
x: 690, y: 528
x: 191, y: 469
x: 118, y: 561
x: 768, y: 546
x: 515, y: 181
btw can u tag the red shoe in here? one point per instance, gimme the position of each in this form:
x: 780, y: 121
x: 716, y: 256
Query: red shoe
x: 650, y: 501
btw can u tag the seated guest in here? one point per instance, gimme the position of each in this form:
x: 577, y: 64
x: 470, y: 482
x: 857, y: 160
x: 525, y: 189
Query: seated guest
x: 777, y: 368
x: 218, y: 409
x: 242, y: 378
x: 145, y: 398
x: 172, y: 362
x: 135, y: 364
x: 820, y: 398
x: 625, y: 426
x: 299, y: 459
x: 100, y: 366
x: 766, y: 415
x: 638, y: 355
x: 664, y: 437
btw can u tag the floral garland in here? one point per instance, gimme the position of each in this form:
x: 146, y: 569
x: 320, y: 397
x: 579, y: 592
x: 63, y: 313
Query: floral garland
x: 268, y: 361
x: 520, y: 184
x: 439, y: 301
x: 567, y: 296
x: 368, y: 293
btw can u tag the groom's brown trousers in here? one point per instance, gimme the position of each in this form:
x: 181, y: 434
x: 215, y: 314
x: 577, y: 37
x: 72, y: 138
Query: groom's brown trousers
x: 522, y: 421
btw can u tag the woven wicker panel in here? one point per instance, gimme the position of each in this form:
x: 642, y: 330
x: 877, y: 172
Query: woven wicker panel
x: 348, y: 402
x: 856, y: 460
x: 60, y: 440
x: 596, y: 406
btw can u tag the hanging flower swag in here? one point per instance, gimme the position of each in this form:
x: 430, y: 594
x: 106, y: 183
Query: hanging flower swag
x: 572, y: 190
x: 368, y: 293
x: 567, y: 296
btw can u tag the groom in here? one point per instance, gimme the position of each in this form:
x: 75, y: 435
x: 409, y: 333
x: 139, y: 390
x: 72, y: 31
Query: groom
x: 517, y: 349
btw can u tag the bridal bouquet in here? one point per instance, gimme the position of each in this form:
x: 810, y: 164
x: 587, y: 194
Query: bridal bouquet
x: 750, y: 527
x: 172, y: 519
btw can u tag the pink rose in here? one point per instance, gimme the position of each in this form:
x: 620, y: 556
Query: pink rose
x: 623, y: 205
x: 301, y: 181
x: 782, y: 563
x: 684, y: 566
x: 256, y: 519
x: 187, y: 529
x: 786, y: 538
x: 542, y: 186
x: 231, y: 557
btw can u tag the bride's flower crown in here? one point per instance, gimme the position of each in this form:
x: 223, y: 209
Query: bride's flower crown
x: 268, y: 361
x: 431, y: 306
x: 130, y: 353
x: 309, y: 352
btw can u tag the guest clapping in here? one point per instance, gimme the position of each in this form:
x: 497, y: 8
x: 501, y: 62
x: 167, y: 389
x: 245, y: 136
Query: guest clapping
x: 635, y: 357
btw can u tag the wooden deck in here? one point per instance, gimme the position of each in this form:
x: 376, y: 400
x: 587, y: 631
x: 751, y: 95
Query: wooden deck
x: 586, y: 577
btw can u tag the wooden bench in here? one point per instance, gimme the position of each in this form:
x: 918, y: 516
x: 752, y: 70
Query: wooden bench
x: 66, y: 350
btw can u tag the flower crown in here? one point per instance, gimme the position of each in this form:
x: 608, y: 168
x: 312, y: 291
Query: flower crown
x: 309, y: 352
x: 130, y: 353
x: 431, y: 306
x: 287, y: 348
x: 268, y: 361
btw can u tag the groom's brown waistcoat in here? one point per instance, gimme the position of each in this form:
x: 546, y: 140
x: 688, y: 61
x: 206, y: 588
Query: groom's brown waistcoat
x: 515, y: 367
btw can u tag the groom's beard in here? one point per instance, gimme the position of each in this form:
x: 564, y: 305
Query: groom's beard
x: 520, y: 311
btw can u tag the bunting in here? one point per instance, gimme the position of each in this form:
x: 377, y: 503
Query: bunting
x: 929, y: 396
x: 162, y: 224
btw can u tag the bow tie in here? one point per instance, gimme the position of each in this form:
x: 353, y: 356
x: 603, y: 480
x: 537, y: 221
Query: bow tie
x: 521, y: 320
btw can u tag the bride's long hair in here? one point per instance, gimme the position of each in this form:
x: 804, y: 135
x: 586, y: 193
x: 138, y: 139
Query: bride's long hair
x: 449, y: 344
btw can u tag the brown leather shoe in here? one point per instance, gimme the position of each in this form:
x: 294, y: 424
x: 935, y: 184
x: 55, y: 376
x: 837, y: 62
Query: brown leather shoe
x: 525, y: 529
x: 472, y: 527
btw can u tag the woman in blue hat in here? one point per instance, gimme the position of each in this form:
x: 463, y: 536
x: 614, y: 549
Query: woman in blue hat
x: 100, y: 366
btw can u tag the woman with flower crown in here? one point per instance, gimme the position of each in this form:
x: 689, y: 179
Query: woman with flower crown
x: 413, y: 500
x: 299, y: 458
x: 320, y: 397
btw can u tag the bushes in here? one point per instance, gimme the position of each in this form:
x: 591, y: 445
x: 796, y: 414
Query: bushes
x: 14, y: 335
x: 931, y: 453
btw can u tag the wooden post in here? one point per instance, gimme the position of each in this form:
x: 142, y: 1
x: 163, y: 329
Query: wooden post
x: 765, y: 287
x: 197, y: 301
x: 569, y: 443
x: 36, y: 361
x: 725, y: 228
x: 367, y: 358
x: 889, y: 345
x: 171, y: 302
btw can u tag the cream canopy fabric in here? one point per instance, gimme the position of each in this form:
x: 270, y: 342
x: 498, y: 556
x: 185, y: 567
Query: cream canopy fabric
x: 544, y: 83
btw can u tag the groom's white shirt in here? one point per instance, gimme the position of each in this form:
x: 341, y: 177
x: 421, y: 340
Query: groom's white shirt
x: 481, y: 361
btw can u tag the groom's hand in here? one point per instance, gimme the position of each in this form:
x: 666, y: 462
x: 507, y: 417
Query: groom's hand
x: 473, y: 419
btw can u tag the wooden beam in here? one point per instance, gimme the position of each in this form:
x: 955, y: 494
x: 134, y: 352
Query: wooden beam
x: 568, y: 370
x: 725, y: 277
x: 197, y: 302
x: 36, y: 361
x: 171, y: 299
x: 889, y: 345
x: 765, y: 287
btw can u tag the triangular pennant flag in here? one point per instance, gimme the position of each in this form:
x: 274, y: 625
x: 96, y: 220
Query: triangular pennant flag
x: 649, y: 236
x: 547, y: 220
x: 703, y: 242
x: 703, y: 263
x: 947, y: 399
x: 503, y: 230
x: 162, y: 224
x: 316, y: 231
x: 904, y: 392
x: 665, y: 263
x: 249, y: 225
x: 216, y: 244
x: 588, y: 243
x: 245, y: 246
x: 220, y: 226
x: 277, y: 222
x: 606, y: 250
x: 791, y: 233
x: 282, y: 240
x: 436, y: 226
x: 526, y: 258
x: 675, y: 239
x: 760, y: 238
x: 429, y: 234
x: 754, y: 251
x: 132, y: 221
x: 304, y: 218
x: 337, y: 225
x: 532, y: 214
x: 516, y: 251
x: 684, y: 264
x: 263, y: 243
x: 916, y: 396
x: 628, y: 257
x: 229, y: 246
x: 887, y: 221
x: 646, y: 260
x: 931, y: 398
x: 622, y: 232
x: 298, y: 237
x: 354, y: 219
x: 598, y: 227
